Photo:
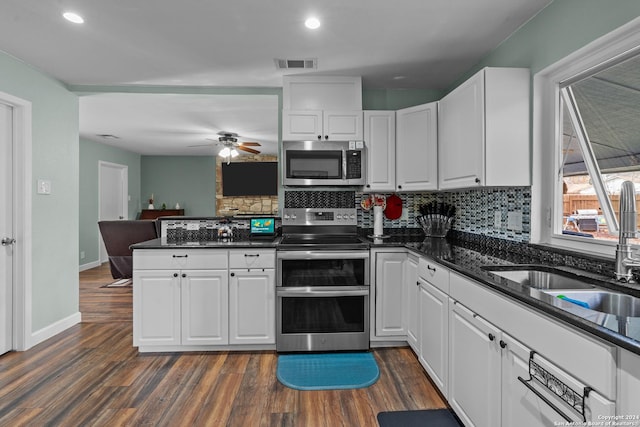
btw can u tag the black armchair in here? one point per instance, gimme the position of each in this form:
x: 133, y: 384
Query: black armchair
x: 118, y: 236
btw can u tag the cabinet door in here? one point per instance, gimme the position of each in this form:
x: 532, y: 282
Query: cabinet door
x: 205, y: 307
x: 434, y: 334
x: 380, y: 140
x: 156, y: 307
x: 461, y: 135
x: 301, y: 124
x: 474, y: 368
x: 252, y: 306
x: 342, y: 125
x: 416, y: 148
x: 412, y: 292
x: 390, y: 319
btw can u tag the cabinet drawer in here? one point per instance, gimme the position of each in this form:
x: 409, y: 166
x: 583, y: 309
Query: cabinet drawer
x: 252, y: 259
x: 171, y: 259
x: 434, y: 273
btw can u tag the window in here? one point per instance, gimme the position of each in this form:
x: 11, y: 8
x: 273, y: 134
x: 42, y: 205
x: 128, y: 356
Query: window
x: 587, y: 142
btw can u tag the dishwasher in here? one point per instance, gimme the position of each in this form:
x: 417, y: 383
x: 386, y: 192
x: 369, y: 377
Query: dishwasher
x: 538, y: 393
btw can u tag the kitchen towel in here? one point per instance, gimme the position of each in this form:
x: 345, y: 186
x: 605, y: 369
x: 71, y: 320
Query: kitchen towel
x: 421, y: 418
x: 327, y: 371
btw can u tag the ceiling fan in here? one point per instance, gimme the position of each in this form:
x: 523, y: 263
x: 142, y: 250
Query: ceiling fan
x: 230, y: 145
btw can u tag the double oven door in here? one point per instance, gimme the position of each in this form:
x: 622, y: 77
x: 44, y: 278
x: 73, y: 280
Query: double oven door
x: 322, y: 300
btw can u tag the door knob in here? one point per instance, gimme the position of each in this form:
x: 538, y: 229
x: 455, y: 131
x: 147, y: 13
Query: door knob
x: 8, y: 241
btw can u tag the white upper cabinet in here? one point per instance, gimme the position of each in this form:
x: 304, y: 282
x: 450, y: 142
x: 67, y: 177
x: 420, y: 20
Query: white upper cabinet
x: 416, y: 148
x: 325, y: 108
x: 321, y: 93
x: 322, y: 125
x: 483, y: 131
x: 380, y: 140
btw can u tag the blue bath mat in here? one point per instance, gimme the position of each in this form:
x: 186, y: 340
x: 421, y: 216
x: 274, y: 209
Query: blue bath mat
x: 421, y: 418
x: 327, y: 371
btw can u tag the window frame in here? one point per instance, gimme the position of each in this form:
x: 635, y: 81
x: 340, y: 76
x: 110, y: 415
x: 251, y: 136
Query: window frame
x: 547, y: 136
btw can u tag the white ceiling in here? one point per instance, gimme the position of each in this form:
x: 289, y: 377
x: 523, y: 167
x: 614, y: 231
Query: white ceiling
x: 409, y: 44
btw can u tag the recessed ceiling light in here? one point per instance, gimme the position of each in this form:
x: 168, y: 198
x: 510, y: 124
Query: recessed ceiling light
x: 312, y: 23
x: 73, y: 17
x: 399, y: 77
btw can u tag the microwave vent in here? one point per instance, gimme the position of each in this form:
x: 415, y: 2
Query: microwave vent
x: 296, y: 64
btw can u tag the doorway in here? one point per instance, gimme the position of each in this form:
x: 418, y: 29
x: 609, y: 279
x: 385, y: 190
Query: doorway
x: 113, y: 200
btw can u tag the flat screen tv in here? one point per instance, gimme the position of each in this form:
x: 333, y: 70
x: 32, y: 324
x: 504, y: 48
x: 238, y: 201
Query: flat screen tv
x: 250, y: 179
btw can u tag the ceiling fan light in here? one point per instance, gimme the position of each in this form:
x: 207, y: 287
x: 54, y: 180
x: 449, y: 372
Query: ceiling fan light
x: 73, y: 17
x: 225, y: 152
x: 234, y: 153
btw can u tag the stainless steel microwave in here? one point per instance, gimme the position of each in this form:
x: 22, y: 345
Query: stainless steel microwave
x: 332, y: 163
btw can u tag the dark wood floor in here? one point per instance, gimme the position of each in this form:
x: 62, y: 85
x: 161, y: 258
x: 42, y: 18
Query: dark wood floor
x: 90, y: 375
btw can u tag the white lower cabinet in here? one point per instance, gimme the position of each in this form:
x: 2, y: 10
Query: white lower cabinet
x: 484, y: 386
x: 201, y: 305
x: 252, y: 306
x: 389, y: 294
x: 180, y: 307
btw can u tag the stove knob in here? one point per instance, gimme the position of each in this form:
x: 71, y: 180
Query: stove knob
x: 352, y: 216
x: 338, y: 216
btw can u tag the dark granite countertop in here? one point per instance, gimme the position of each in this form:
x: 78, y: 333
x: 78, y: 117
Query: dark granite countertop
x: 468, y: 258
x: 161, y: 243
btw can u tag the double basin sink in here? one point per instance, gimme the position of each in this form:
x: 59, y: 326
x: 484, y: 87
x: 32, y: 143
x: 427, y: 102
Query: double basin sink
x: 570, y: 292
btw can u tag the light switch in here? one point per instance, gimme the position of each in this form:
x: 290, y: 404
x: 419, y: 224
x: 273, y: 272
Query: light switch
x: 497, y: 219
x: 44, y: 186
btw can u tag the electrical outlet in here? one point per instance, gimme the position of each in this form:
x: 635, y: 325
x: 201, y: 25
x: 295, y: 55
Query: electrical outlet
x: 514, y: 221
x: 497, y: 219
x: 81, y: 254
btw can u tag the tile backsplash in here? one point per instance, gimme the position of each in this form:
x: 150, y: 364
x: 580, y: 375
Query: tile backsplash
x: 475, y: 208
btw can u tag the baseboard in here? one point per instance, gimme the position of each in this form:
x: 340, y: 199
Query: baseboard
x: 53, y: 329
x: 90, y: 265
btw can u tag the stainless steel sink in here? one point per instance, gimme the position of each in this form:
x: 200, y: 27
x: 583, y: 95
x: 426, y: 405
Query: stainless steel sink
x: 615, y: 303
x: 540, y: 278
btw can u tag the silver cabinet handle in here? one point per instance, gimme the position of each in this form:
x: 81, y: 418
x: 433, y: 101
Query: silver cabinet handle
x: 8, y: 241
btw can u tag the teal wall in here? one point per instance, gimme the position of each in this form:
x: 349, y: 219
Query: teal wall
x: 91, y: 153
x: 54, y: 217
x: 188, y: 180
x: 560, y: 29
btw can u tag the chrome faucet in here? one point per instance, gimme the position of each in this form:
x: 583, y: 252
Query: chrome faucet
x: 625, y: 261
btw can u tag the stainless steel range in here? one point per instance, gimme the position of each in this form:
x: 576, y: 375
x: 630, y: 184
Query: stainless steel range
x: 322, y: 289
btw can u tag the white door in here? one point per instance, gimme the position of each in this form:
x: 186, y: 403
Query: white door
x: 113, y: 186
x: 6, y: 228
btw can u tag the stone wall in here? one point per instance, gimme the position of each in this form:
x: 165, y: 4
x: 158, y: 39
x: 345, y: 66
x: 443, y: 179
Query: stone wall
x: 229, y: 206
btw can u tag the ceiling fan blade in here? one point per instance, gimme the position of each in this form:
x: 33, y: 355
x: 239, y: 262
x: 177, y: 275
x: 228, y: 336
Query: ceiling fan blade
x: 249, y: 144
x: 248, y: 150
x: 200, y: 145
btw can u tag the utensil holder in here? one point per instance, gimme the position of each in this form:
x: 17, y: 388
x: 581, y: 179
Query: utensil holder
x: 437, y: 226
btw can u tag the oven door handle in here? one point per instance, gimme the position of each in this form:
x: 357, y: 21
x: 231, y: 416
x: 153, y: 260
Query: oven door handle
x: 305, y: 255
x: 292, y: 292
